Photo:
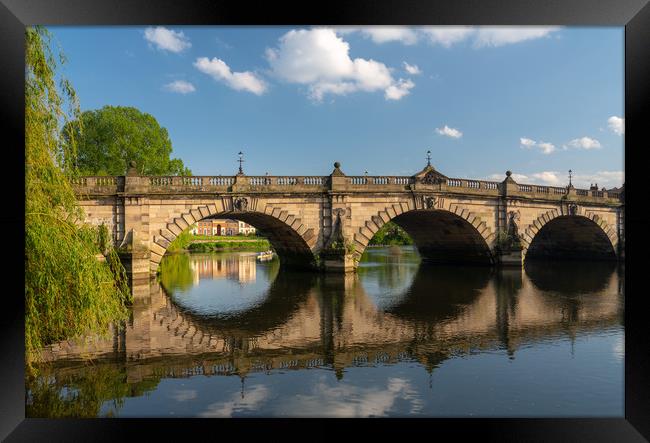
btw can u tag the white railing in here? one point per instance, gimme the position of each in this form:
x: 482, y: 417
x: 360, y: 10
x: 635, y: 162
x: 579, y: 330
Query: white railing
x: 287, y: 181
x: 221, y: 181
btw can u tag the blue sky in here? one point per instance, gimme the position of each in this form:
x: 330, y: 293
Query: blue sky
x: 537, y: 101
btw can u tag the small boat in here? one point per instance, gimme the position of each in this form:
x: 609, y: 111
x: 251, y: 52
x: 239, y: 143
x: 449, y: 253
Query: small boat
x: 266, y: 255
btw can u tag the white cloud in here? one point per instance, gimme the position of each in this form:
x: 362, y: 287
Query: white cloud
x: 520, y: 178
x: 412, y: 69
x: 549, y: 178
x: 399, y: 89
x: 583, y: 143
x: 220, y: 71
x: 166, y: 39
x: 180, y: 86
x: 526, y: 142
x: 545, y: 147
x: 383, y: 34
x: 499, y: 36
x: 607, y: 179
x: 320, y: 59
x: 181, y: 395
x: 333, y: 401
x: 616, y: 124
x: 449, y: 132
x: 255, y: 396
x: 446, y: 36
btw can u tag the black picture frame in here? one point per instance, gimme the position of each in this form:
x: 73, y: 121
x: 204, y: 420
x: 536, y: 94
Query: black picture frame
x: 15, y: 15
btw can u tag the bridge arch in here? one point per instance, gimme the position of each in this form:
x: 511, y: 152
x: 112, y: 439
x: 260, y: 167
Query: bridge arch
x: 583, y: 235
x: 449, y: 235
x: 294, y: 242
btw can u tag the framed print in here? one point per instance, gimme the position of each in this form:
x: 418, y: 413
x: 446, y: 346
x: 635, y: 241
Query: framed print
x: 418, y: 212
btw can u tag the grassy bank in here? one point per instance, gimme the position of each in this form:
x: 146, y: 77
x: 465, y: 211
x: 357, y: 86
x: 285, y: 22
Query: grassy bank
x: 250, y: 245
x: 207, y: 243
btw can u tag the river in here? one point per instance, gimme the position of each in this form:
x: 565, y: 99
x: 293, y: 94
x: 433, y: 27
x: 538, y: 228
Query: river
x: 225, y: 335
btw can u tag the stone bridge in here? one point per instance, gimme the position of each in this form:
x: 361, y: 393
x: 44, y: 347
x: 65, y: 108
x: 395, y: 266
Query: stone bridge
x: 326, y: 222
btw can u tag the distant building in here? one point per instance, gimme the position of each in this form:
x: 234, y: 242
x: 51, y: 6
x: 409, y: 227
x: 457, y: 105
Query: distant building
x: 221, y: 226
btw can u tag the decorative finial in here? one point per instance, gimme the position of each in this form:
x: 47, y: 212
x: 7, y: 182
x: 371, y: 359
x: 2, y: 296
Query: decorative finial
x: 429, y: 158
x: 132, y: 163
x: 508, y: 173
x: 241, y: 160
x: 337, y: 164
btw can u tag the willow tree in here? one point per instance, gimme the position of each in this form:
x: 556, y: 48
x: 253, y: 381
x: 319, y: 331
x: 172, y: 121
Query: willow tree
x: 68, y: 291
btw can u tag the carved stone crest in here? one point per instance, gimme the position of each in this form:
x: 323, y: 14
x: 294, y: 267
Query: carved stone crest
x: 339, y: 212
x: 432, y: 178
x: 240, y: 203
x: 573, y: 209
x: 430, y: 202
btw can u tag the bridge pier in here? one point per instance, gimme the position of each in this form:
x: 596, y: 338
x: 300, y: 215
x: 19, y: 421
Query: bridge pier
x: 338, y: 263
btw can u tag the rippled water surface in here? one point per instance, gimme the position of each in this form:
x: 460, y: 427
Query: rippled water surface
x: 225, y: 335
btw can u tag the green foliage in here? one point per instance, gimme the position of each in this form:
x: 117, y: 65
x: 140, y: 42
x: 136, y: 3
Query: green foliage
x: 181, y: 242
x: 68, y: 292
x: 175, y: 272
x: 391, y: 234
x: 113, y: 136
x: 81, y: 393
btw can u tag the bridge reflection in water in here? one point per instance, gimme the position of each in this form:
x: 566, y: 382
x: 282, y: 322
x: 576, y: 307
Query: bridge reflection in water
x: 392, y: 310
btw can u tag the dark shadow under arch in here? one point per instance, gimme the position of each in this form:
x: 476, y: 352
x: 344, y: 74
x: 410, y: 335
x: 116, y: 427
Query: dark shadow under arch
x: 443, y: 237
x: 283, y: 297
x: 439, y: 293
x: 571, y: 238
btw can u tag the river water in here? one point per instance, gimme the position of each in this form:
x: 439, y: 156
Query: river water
x: 225, y: 335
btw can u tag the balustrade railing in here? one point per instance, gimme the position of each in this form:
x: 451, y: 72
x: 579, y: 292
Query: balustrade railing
x: 221, y: 181
x: 285, y: 181
x: 161, y: 181
x: 380, y: 180
x: 558, y: 190
x: 109, y: 184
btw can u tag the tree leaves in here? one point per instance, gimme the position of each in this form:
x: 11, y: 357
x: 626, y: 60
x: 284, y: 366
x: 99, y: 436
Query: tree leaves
x: 113, y: 136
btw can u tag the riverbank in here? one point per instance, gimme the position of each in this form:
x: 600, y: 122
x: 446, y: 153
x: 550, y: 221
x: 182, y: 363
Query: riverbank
x: 229, y: 245
x: 187, y: 242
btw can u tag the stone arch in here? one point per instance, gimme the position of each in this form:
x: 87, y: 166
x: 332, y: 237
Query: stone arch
x: 432, y: 244
x: 531, y: 235
x: 293, y: 240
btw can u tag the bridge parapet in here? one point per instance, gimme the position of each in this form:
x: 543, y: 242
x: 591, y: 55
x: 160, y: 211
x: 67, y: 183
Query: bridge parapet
x: 112, y: 185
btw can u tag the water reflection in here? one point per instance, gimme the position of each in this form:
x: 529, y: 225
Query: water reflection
x: 379, y: 332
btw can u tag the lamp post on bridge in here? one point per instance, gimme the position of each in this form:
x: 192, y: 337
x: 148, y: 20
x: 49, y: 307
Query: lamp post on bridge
x: 241, y: 160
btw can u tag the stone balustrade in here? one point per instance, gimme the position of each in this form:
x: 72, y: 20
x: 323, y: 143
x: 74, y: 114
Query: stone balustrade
x: 106, y: 185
